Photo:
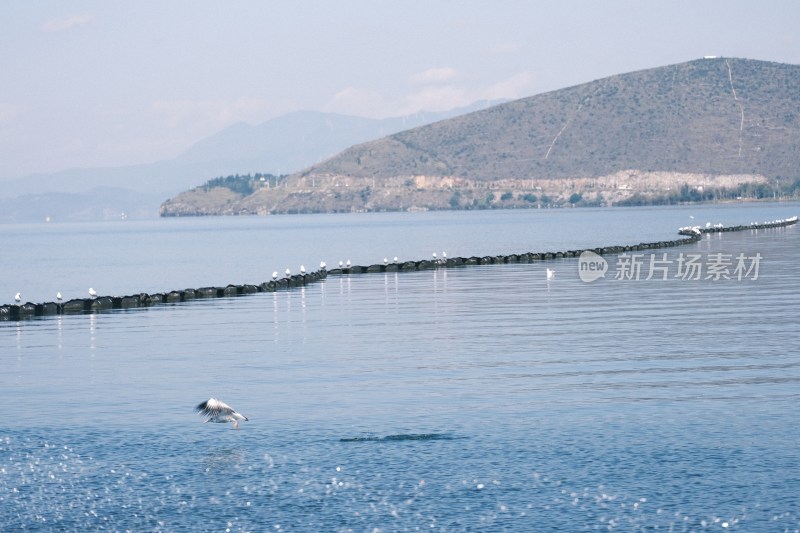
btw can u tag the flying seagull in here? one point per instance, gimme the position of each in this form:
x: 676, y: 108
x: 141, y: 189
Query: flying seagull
x: 215, y: 410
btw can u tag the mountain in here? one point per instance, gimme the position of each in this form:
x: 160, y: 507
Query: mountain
x: 715, y: 116
x: 282, y: 145
x: 708, y: 128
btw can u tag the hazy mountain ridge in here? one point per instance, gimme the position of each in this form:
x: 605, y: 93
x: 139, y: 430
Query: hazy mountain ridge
x: 721, y: 124
x: 282, y: 145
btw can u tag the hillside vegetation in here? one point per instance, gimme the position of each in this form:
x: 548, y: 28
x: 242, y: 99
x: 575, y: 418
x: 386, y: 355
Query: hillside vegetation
x: 709, y: 129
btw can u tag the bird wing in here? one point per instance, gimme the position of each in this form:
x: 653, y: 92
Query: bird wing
x: 214, y: 408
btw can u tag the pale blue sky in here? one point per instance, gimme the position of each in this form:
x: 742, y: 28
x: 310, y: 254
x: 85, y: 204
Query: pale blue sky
x: 90, y: 83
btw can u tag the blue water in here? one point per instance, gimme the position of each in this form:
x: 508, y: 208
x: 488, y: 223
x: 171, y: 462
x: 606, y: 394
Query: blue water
x: 455, y: 399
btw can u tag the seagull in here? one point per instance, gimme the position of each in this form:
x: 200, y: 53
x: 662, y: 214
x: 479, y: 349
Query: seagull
x: 340, y: 264
x: 288, y: 273
x: 395, y: 259
x: 302, y: 269
x: 550, y: 274
x: 92, y: 292
x: 275, y: 275
x: 348, y: 263
x: 218, y: 411
x: 322, y: 265
x: 385, y: 261
x: 58, y: 297
x: 18, y: 297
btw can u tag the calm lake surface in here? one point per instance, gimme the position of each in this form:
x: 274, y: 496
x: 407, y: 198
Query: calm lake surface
x: 482, y: 397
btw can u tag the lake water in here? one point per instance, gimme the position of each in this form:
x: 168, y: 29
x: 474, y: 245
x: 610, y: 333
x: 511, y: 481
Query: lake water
x: 482, y: 397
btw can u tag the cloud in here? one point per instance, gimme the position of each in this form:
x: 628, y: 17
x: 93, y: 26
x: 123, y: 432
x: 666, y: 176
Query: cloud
x: 66, y: 23
x: 517, y: 86
x: 437, y: 96
x: 433, y: 76
x: 359, y: 102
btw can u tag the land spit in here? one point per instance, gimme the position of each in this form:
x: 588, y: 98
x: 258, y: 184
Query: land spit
x: 101, y: 304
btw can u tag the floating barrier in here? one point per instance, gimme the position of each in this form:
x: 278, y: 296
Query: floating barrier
x: 16, y: 312
x: 717, y: 228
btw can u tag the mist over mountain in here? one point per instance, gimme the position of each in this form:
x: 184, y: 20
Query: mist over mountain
x: 283, y: 145
x: 297, y: 140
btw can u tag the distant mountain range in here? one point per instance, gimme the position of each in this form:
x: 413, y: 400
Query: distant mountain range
x: 708, y: 128
x: 280, y: 146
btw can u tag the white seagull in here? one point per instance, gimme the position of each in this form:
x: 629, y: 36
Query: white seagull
x: 302, y: 269
x: 92, y: 292
x: 550, y: 274
x: 18, y: 297
x: 218, y: 411
x: 58, y: 297
x: 322, y: 265
x: 275, y: 275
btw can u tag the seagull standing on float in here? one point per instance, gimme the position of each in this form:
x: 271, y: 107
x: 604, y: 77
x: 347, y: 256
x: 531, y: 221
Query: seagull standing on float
x: 215, y: 410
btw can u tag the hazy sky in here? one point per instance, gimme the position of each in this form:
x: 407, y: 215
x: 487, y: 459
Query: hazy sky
x: 106, y: 83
